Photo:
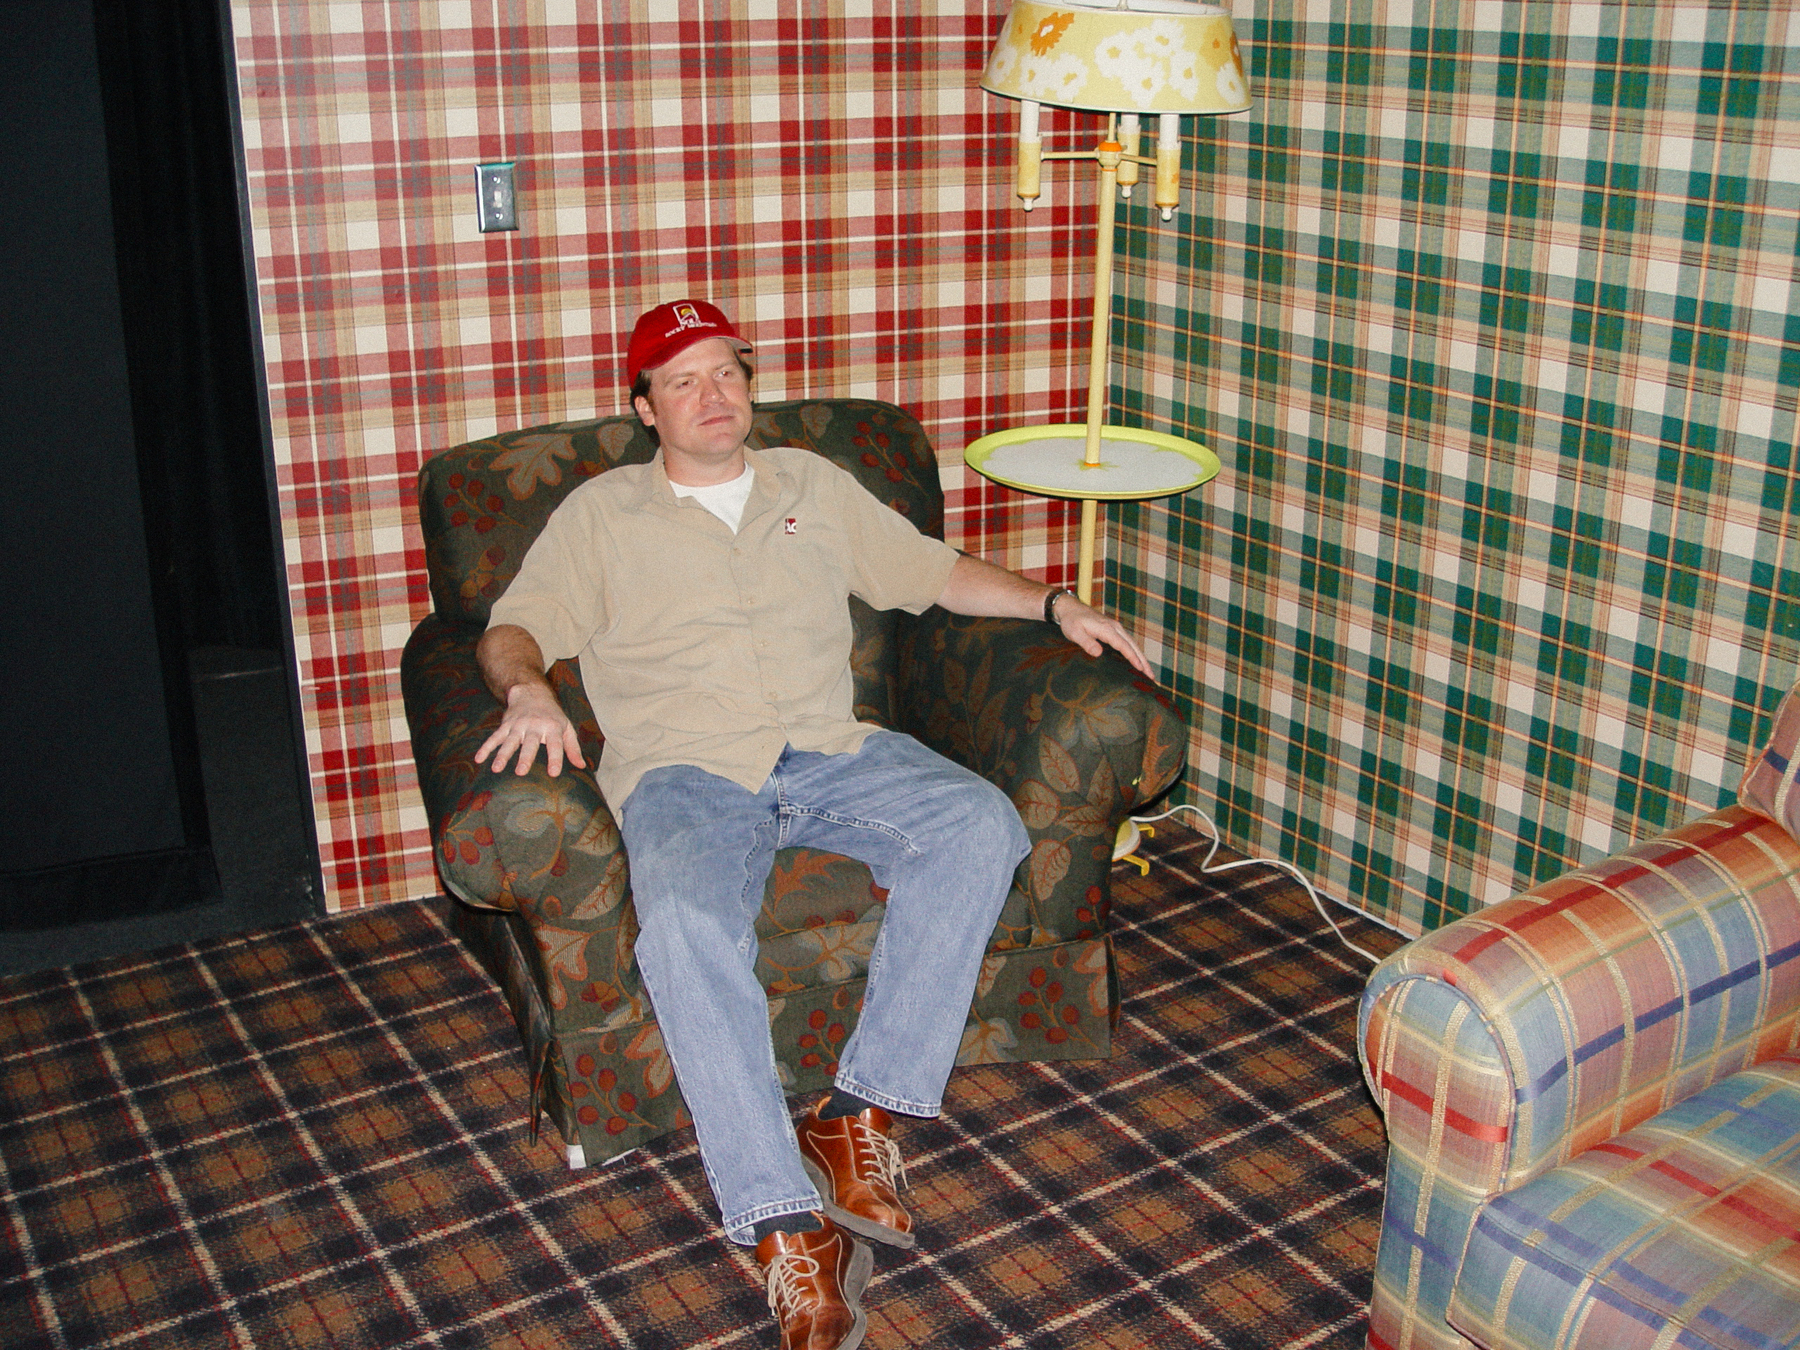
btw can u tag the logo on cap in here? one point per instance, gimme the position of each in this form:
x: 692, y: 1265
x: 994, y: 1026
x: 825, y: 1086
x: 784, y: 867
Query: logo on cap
x: 686, y: 316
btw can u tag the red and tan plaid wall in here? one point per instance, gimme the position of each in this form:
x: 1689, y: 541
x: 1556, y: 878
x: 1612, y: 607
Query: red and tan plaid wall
x: 831, y: 175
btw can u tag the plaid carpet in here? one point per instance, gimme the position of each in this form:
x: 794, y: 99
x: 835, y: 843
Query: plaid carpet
x: 312, y: 1137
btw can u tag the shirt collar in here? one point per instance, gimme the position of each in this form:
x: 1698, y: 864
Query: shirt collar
x: 764, y: 487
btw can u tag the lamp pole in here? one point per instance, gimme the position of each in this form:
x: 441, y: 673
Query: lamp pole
x: 1108, y: 154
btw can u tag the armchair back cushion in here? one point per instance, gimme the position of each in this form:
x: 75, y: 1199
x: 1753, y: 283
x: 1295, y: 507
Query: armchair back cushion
x: 482, y: 504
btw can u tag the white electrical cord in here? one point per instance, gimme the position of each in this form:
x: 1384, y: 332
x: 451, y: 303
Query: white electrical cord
x: 1207, y: 869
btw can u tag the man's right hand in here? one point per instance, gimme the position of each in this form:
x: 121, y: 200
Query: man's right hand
x: 514, y: 669
x: 533, y: 718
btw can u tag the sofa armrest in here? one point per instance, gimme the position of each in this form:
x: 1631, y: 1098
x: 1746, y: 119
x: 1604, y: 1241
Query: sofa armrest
x: 1077, y: 742
x: 1612, y: 991
x: 1503, y: 1044
x: 545, y: 848
x: 1437, y: 1068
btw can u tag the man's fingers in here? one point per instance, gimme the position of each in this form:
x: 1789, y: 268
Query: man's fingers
x: 1112, y: 633
x: 1094, y: 632
x: 1129, y: 650
x: 525, y: 734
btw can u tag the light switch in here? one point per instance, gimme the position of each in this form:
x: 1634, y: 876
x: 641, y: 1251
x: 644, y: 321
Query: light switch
x: 494, y: 197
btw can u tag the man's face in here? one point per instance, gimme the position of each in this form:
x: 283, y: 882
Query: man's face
x: 699, y: 404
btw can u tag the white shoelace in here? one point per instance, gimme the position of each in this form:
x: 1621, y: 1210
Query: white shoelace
x: 884, y: 1153
x: 786, y: 1272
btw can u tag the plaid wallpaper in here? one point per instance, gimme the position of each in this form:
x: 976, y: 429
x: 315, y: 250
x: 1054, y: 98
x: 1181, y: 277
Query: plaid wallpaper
x: 1489, y: 310
x: 831, y: 175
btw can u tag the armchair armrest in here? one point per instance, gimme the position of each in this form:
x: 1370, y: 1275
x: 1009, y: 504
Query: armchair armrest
x: 543, y: 848
x: 1503, y: 1044
x: 1077, y: 742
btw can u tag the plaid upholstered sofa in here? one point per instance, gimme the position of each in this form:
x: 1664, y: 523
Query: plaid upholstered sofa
x: 1592, y: 1096
x: 544, y: 885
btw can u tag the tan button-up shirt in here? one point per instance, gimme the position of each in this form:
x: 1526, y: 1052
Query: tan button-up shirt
x: 700, y: 647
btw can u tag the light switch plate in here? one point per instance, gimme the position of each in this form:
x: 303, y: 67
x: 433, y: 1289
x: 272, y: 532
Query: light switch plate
x: 494, y: 197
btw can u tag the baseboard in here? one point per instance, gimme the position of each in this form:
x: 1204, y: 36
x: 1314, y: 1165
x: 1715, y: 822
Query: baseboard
x: 102, y: 890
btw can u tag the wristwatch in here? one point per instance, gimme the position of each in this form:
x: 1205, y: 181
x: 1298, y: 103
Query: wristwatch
x: 1050, y: 602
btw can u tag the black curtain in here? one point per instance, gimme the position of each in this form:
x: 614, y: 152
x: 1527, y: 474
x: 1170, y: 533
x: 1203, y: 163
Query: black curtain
x: 196, y: 402
x: 103, y: 794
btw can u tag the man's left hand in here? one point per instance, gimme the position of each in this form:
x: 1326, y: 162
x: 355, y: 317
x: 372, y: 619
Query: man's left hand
x: 1091, y: 630
x: 978, y: 587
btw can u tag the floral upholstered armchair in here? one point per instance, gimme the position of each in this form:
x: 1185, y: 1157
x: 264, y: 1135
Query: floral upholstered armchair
x: 543, y: 881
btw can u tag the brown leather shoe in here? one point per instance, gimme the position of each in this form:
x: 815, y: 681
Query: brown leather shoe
x: 857, y: 1169
x: 815, y: 1283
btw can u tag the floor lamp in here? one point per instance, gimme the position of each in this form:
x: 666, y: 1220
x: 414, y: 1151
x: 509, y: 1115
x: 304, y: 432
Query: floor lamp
x: 1129, y: 60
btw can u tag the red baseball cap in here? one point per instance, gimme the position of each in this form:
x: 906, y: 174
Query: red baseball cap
x: 672, y: 328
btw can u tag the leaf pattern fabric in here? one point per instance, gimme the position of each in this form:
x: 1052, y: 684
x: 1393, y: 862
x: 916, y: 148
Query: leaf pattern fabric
x: 538, y: 865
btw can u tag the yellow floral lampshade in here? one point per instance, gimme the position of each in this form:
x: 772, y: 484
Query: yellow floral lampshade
x: 1155, y: 56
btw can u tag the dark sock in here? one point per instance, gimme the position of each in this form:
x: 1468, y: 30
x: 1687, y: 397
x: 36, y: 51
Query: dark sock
x: 803, y: 1222
x: 841, y: 1103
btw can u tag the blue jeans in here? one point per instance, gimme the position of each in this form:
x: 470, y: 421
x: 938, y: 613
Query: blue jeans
x: 943, y: 842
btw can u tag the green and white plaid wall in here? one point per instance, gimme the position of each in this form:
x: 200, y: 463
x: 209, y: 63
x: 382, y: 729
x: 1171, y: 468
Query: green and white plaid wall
x: 1487, y: 308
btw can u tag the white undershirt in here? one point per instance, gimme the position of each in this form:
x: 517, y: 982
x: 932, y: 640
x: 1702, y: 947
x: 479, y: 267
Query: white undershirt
x: 724, y: 500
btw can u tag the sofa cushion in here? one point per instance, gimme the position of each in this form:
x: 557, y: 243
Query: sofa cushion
x: 1686, y: 1228
x: 1768, y: 783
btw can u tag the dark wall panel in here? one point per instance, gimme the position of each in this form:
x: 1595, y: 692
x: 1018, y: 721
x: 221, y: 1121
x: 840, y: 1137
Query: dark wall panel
x: 91, y: 754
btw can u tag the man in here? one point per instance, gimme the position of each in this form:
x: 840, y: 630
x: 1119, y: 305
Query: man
x: 706, y: 595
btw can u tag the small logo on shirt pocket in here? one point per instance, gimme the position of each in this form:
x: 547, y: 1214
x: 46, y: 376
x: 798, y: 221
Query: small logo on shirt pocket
x: 790, y: 526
